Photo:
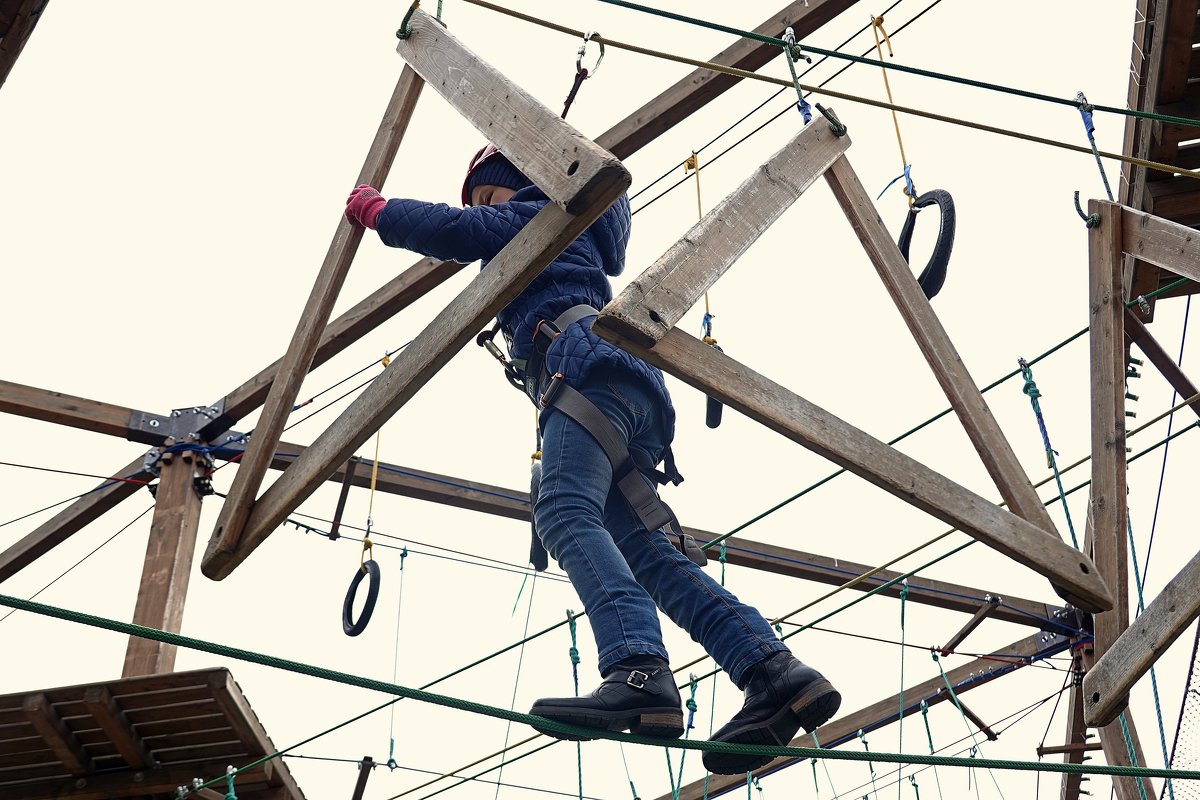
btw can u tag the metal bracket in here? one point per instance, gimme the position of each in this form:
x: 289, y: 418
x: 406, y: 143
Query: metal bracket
x: 181, y: 424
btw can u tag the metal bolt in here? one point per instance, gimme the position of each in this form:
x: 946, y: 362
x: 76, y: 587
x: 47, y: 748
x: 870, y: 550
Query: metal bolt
x: 175, y: 413
x: 153, y: 423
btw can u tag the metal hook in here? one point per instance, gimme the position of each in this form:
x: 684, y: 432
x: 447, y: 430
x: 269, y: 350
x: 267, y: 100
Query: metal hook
x: 1090, y: 221
x: 583, y: 51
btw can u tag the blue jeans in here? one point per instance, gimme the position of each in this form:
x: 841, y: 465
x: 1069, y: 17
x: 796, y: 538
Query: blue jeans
x: 619, y: 569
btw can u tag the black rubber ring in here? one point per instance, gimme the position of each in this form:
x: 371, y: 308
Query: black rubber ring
x: 351, y: 627
x: 933, y: 276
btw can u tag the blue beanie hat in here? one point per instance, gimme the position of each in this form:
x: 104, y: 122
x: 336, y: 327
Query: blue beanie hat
x: 497, y: 171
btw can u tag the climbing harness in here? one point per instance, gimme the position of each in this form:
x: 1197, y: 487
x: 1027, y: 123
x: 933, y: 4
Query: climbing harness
x: 934, y: 274
x: 368, y: 568
x: 581, y: 72
x: 630, y: 472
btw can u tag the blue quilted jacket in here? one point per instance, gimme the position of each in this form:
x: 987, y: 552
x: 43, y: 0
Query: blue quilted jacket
x: 578, y: 275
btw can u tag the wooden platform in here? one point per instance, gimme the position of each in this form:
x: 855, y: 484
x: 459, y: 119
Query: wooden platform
x: 136, y: 738
x: 1164, y: 78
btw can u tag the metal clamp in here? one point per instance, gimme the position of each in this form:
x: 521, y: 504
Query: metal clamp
x: 579, y: 70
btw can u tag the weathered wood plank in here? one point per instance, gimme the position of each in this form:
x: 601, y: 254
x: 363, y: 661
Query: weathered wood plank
x: 168, y: 564
x: 507, y: 274
x: 49, y: 725
x: 785, y: 412
x: 1107, y: 513
x: 701, y: 86
x: 1165, y: 244
x: 960, y: 388
x: 569, y: 167
x: 986, y: 610
x: 63, y: 409
x: 116, y: 727
x: 840, y: 730
x: 658, y: 298
x: 19, y: 30
x: 294, y: 366
x: 1106, y: 686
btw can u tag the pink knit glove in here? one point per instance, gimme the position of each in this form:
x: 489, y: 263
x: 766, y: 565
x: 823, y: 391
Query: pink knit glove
x: 363, y: 206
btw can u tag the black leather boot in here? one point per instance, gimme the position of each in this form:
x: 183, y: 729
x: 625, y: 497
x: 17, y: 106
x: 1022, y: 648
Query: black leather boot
x: 782, y: 696
x: 639, y: 696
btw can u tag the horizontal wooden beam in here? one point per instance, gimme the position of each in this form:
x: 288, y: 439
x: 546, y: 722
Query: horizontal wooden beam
x: 40, y: 713
x: 783, y: 411
x: 1165, y: 244
x: 658, y: 298
x: 570, y: 168
x: 63, y: 409
x: 296, y: 362
x: 1107, y: 684
x: 537, y: 244
x: 701, y: 86
x: 840, y: 730
x: 160, y: 782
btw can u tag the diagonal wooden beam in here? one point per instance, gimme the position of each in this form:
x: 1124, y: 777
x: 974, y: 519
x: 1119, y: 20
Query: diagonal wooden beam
x: 840, y: 730
x: 783, y: 411
x: 701, y: 86
x: 658, y: 298
x: 987, y: 609
x: 19, y: 30
x: 1106, y: 686
x: 297, y: 361
x: 363, y: 318
x: 960, y: 388
x: 1136, y: 332
x: 538, y: 243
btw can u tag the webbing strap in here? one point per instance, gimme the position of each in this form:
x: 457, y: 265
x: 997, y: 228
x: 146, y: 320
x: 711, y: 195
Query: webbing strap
x: 573, y: 315
x: 650, y: 509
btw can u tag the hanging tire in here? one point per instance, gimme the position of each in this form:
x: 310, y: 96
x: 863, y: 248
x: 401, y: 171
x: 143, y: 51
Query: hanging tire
x: 934, y: 274
x: 352, y: 627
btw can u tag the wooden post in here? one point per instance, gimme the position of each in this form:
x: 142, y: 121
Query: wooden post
x: 25, y: 19
x: 783, y: 411
x: 168, y: 564
x: 1076, y: 732
x: 298, y: 360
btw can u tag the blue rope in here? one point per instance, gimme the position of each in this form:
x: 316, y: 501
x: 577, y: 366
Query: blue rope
x: 1085, y: 111
x: 909, y: 188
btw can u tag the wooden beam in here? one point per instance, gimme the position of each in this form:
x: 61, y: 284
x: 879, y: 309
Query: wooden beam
x: 1061, y: 749
x: 990, y: 604
x: 24, y: 21
x: 70, y: 521
x: 1107, y: 684
x: 783, y: 411
x: 40, y: 713
x: 1076, y: 732
x: 570, y: 168
x: 960, y: 388
x: 243, y: 719
x: 1107, y: 513
x: 168, y: 565
x: 658, y: 298
x: 701, y: 86
x: 100, y: 704
x: 363, y: 318
x: 1165, y: 244
x: 161, y: 782
x: 538, y: 243
x: 294, y: 366
x: 1137, y: 333
x: 843, y: 729
x: 63, y: 409
x: 978, y: 722
x: 364, y: 772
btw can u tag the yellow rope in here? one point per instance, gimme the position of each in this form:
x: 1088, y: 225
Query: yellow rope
x: 741, y: 73
x: 692, y: 163
x: 374, y: 478
x: 876, y: 29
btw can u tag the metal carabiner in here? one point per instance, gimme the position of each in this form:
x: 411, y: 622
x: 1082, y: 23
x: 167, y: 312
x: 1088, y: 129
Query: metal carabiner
x: 583, y: 51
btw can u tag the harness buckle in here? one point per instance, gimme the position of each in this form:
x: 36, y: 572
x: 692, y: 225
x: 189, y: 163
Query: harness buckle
x: 552, y: 389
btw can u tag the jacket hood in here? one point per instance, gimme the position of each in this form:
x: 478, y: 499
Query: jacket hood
x: 610, y: 232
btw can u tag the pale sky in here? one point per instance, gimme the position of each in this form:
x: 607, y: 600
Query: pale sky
x: 172, y: 183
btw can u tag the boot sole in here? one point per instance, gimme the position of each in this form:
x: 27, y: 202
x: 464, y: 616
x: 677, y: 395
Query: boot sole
x: 809, y: 709
x: 657, y: 723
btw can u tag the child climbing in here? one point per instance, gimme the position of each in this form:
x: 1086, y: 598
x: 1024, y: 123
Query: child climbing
x: 607, y: 421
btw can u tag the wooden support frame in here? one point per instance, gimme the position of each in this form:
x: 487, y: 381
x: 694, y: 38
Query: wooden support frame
x: 297, y: 361
x: 783, y: 411
x: 99, y: 702
x: 13, y: 41
x: 989, y: 606
x: 1137, y: 333
x: 971, y: 675
x: 168, y: 563
x: 581, y: 179
x: 643, y: 316
x: 40, y: 713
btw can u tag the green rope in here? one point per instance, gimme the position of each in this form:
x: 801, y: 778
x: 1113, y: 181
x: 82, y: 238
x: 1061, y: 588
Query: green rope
x: 867, y: 750
x: 913, y: 780
x: 512, y: 704
x: 632, y: 788
x: 727, y: 748
x: 1132, y: 755
x: 824, y: 764
x: 966, y: 722
x: 1137, y: 580
x: 676, y: 785
x: 901, y: 68
x: 1030, y: 388
x: 929, y: 737
x: 573, y: 653
x: 230, y: 794
x: 900, y: 732
x: 391, y: 759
